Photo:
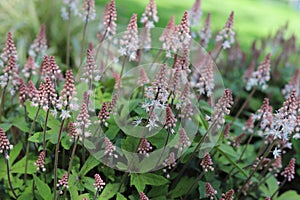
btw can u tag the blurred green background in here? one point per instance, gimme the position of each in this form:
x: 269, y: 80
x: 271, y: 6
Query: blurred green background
x: 253, y: 19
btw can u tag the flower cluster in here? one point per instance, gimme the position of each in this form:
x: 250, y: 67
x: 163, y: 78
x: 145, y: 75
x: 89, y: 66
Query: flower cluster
x: 207, y: 163
x: 99, y: 183
x: 184, y: 141
x: 9, y: 49
x: 130, y: 42
x: 40, y: 162
x: 226, y: 35
x: 210, y: 191
x: 222, y: 108
x: 150, y: 15
x: 205, y: 32
x: 63, y: 183
x: 5, y: 145
x: 10, y: 75
x: 104, y: 114
x: 289, y: 171
x: 39, y: 46
x: 261, y: 76
x: 29, y: 68
x: 109, y: 148
x: 205, y: 83
x: 70, y: 6
x: 82, y: 121
x: 143, y: 196
x: 68, y: 95
x: 195, y: 13
x: 144, y: 147
x: 169, y: 163
x: 110, y: 18
x: 89, y: 12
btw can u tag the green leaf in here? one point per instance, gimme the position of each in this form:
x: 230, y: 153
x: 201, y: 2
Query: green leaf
x: 66, y: 143
x: 43, y: 188
x: 89, y: 164
x: 182, y: 187
x: 21, y: 124
x: 157, y: 191
x: 73, y: 192
x: 109, y: 191
x: 26, y: 194
x: 130, y: 143
x: 141, y: 180
x: 19, y: 167
x: 112, y: 131
x: 120, y: 197
x: 14, y: 153
x: 231, y: 161
x: 290, y: 195
x: 5, y: 127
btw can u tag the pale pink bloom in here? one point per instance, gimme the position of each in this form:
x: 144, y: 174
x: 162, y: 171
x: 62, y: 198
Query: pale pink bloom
x: 210, y: 191
x: 143, y: 196
x: 207, y: 163
x: 195, y: 13
x: 40, y: 162
x: 130, y: 42
x: 150, y: 15
x: 226, y: 35
x: 261, y: 76
x: 144, y: 147
x: 289, y: 171
x: 99, y: 183
x: 9, y: 49
x: 39, y: 46
x: 205, y: 32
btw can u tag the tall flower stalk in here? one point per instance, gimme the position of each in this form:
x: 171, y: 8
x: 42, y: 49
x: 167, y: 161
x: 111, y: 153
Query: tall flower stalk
x: 88, y: 14
x: 68, y: 93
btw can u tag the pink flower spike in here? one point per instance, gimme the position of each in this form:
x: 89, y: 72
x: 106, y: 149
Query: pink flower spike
x: 5, y: 145
x: 39, y: 46
x: 130, y: 41
x: 170, y: 120
x: 89, y: 12
x: 109, y: 148
x: 289, y: 171
x: 9, y: 49
x: 23, y: 92
x: 104, y: 114
x: 228, y: 195
x: 205, y: 32
x: 150, y: 15
x: 222, y: 108
x: 143, y: 196
x: 40, y: 162
x: 99, y: 183
x: 144, y: 147
x: 195, y: 13
x: 210, y: 191
x: 110, y: 18
x: 29, y: 68
x: 207, y: 163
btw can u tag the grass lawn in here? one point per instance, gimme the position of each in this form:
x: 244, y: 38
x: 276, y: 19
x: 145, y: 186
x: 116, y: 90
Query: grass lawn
x: 253, y: 18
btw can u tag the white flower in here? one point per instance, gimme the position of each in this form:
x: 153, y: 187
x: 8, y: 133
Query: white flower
x: 151, y: 124
x: 54, y: 113
x: 137, y: 121
x: 296, y: 136
x: 65, y: 114
x: 276, y: 152
x: 275, y: 133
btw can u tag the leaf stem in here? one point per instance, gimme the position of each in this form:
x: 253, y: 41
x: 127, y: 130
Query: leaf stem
x: 28, y: 145
x: 56, y: 156
x: 8, y: 175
